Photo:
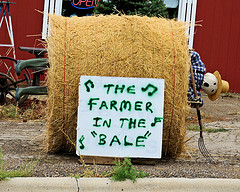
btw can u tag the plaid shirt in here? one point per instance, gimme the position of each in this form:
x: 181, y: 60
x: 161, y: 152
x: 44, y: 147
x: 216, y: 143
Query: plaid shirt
x: 198, y: 71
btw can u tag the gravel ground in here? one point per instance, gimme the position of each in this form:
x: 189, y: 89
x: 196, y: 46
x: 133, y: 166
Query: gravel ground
x: 21, y: 146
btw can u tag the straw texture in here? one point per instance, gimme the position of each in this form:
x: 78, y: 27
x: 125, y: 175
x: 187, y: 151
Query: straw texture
x: 123, y: 46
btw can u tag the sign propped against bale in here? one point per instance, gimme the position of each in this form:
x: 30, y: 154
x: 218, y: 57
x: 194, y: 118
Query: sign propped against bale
x: 120, y: 117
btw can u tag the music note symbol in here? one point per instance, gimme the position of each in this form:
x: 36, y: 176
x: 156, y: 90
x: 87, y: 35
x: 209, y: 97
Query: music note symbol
x: 81, y: 142
x: 156, y: 120
x: 149, y: 86
x: 88, y: 87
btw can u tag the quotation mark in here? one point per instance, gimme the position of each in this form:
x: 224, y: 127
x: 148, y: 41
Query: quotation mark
x: 147, y: 134
x: 94, y: 134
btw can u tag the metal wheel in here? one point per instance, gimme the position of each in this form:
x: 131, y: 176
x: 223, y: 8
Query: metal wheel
x: 9, y: 82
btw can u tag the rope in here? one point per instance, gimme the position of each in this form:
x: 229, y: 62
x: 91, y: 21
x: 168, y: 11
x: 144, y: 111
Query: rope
x: 174, y: 79
x: 96, y: 47
x: 64, y: 72
x: 153, y: 55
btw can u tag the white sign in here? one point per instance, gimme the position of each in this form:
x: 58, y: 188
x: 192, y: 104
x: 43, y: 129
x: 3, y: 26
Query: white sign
x: 120, y: 117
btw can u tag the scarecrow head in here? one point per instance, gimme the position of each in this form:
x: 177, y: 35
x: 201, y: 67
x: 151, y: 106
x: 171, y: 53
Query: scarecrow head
x: 213, y: 85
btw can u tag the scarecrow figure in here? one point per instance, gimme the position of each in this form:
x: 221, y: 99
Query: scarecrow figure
x: 210, y: 83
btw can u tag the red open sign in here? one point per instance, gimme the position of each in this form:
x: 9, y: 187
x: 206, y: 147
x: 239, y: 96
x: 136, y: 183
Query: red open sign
x: 84, y: 4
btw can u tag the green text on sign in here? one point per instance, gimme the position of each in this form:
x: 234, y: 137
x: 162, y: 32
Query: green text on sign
x: 120, y: 117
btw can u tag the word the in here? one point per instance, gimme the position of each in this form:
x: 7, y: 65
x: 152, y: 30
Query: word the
x: 120, y: 88
x: 130, y: 89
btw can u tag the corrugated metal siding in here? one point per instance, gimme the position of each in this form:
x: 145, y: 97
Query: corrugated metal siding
x: 218, y: 40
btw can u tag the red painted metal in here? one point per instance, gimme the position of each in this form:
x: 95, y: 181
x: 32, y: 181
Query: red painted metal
x: 218, y: 39
x: 27, y: 26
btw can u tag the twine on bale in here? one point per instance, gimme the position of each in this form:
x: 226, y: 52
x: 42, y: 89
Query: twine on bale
x: 64, y: 72
x: 122, y: 46
x: 173, y: 89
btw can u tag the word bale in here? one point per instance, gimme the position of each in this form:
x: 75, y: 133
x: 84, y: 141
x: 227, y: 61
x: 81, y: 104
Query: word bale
x: 121, y: 46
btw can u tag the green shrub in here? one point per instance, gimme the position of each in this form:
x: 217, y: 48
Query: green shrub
x: 124, y: 170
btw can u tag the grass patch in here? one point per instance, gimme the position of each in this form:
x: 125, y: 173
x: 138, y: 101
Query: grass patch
x: 9, y: 112
x: 124, y: 170
x: 23, y: 171
x: 29, y: 110
x: 197, y: 128
x: 90, y: 171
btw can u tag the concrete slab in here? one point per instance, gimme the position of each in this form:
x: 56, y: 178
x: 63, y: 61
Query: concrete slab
x: 42, y: 184
x: 67, y: 184
x: 161, y: 184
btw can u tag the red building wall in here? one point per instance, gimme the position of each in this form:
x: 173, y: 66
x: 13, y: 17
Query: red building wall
x: 27, y: 27
x: 26, y: 22
x: 218, y: 39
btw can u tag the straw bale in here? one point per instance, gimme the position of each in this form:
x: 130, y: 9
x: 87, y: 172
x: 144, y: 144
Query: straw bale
x: 123, y: 46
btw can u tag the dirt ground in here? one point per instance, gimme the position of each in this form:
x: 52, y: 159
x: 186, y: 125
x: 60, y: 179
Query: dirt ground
x: 21, y: 145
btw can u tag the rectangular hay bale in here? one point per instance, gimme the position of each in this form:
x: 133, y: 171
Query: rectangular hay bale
x: 122, y: 46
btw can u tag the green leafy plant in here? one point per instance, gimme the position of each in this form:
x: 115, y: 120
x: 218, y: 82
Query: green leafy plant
x: 124, y: 170
x: 24, y: 171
